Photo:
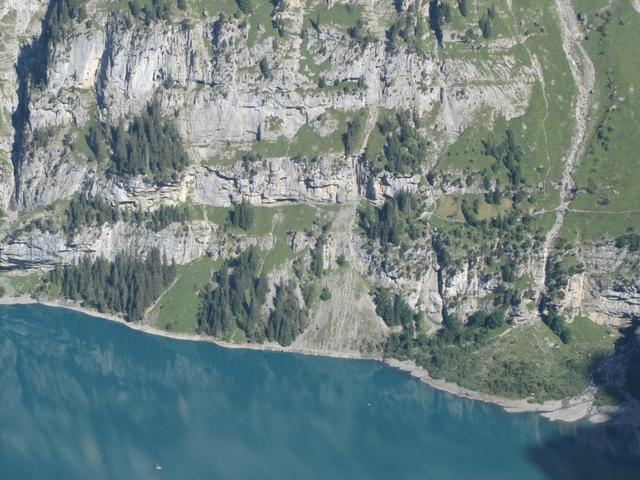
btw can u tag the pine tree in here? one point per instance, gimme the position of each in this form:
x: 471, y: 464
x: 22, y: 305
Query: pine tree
x: 242, y: 215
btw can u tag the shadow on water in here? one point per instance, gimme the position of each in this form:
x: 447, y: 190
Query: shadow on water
x: 601, y: 451
x: 590, y: 452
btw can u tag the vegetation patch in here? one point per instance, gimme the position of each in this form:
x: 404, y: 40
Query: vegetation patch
x: 342, y: 15
x: 84, y: 210
x: 149, y: 145
x: 403, y: 149
x: 395, y: 219
x: 177, y: 308
x: 242, y: 215
x: 128, y: 285
x: 558, y: 273
x: 488, y: 355
x: 235, y: 300
x: 607, y: 176
x: 410, y: 28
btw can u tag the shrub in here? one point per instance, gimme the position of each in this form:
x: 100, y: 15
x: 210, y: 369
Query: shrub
x: 325, y: 294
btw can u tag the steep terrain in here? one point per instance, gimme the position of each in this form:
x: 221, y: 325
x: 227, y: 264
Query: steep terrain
x: 450, y: 183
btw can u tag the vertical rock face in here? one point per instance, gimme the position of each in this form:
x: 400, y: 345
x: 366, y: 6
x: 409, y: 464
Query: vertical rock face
x: 609, y: 288
x: 205, y: 73
x: 18, y: 19
x: 37, y: 249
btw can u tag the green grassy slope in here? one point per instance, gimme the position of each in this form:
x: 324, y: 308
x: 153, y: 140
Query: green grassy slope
x: 608, y: 174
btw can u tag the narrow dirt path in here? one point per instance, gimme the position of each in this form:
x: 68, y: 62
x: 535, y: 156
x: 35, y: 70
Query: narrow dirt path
x: 595, y: 212
x: 583, y: 73
x: 145, y: 317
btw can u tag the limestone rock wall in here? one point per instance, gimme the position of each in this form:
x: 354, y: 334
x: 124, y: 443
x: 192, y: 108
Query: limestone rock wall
x: 208, y: 78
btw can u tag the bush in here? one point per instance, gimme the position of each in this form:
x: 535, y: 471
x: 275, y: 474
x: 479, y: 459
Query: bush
x: 245, y: 6
x: 487, y: 320
x: 316, y: 265
x: 153, y: 10
x: 462, y: 6
x: 325, y: 294
x: 485, y: 26
x: 410, y: 27
x: 352, y: 136
x: 558, y: 325
x: 439, y: 14
x: 265, y: 69
x: 630, y: 240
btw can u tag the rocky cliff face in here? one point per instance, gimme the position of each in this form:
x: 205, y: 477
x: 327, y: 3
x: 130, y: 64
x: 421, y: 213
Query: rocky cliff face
x: 608, y: 290
x: 235, y: 88
x: 212, y: 84
x: 18, y: 19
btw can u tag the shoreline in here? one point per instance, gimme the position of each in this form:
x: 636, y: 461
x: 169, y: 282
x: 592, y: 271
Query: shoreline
x: 568, y: 410
x: 191, y: 337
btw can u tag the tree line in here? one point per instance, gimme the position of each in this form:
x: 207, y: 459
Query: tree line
x: 395, y: 311
x: 288, y: 318
x: 154, y: 10
x: 60, y: 16
x: 88, y: 210
x: 58, y: 23
x: 128, y: 285
x: 235, y: 299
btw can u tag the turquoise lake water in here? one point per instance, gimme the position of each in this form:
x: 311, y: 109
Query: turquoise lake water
x: 85, y: 398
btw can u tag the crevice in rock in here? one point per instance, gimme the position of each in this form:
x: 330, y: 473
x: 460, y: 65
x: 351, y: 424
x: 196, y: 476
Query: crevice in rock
x: 105, y: 61
x: 444, y: 312
x: 31, y: 69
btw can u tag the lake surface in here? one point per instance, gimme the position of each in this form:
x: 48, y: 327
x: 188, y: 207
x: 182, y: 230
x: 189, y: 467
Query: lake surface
x: 86, y: 398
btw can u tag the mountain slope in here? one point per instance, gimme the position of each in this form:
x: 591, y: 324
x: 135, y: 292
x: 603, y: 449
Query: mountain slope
x: 446, y: 182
